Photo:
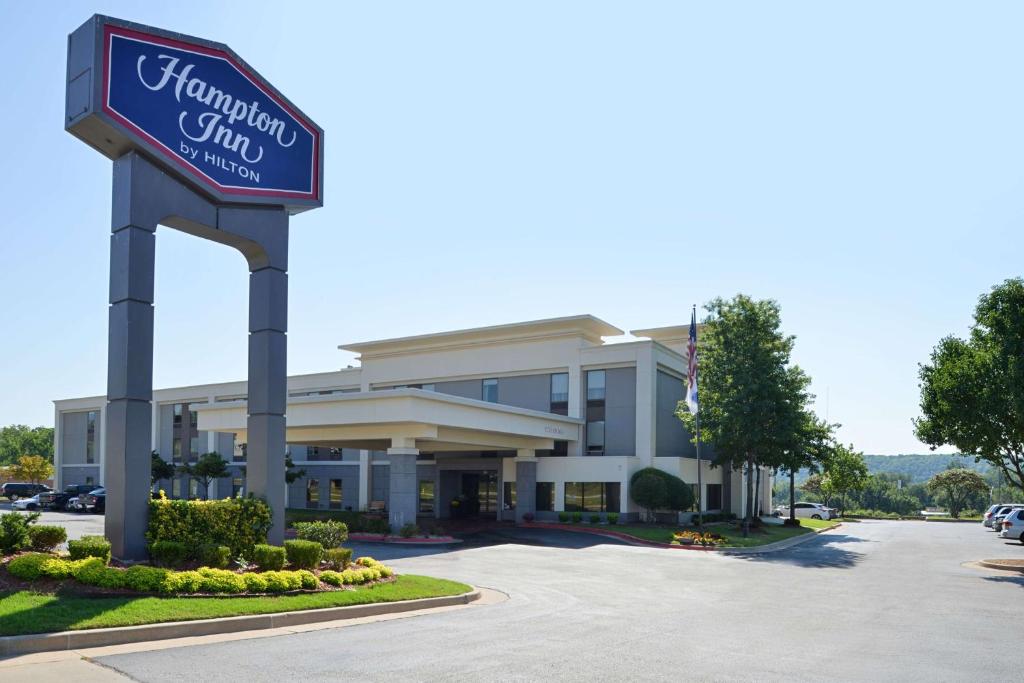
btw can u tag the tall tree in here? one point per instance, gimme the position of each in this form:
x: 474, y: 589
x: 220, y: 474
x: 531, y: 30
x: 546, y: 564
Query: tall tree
x: 957, y: 485
x: 32, y: 468
x: 845, y: 471
x: 813, y: 445
x: 972, y: 391
x: 208, y: 467
x: 19, y: 440
x: 750, y: 395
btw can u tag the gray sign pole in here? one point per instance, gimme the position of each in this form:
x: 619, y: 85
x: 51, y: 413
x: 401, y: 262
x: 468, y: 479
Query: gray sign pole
x: 145, y: 196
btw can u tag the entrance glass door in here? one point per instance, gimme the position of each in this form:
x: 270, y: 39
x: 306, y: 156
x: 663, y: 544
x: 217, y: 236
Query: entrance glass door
x: 481, y: 492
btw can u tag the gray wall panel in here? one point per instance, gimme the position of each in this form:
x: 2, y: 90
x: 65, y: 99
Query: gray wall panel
x: 78, y: 475
x: 526, y: 391
x: 673, y: 440
x: 470, y: 388
x: 381, y: 484
x: 164, y: 445
x: 73, y: 436
x: 620, y: 411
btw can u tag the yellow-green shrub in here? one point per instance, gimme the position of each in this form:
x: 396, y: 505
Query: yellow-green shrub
x: 332, y: 577
x: 238, y: 523
x: 28, y: 567
x: 255, y: 583
x: 221, y: 581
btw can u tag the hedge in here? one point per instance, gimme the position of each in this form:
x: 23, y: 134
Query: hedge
x: 303, y: 554
x: 92, y: 571
x: 90, y: 546
x: 44, y: 537
x: 238, y: 523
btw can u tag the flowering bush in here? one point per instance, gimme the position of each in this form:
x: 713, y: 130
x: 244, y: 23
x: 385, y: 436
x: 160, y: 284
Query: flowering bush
x: 705, y: 539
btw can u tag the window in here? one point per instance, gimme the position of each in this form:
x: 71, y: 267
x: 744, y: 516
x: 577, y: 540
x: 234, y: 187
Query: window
x: 595, y: 385
x: 312, y: 493
x: 591, y: 496
x: 193, y: 488
x: 177, y: 414
x: 545, y: 496
x: 427, y: 387
x: 193, y: 449
x: 335, y: 494
x: 595, y: 438
x: 427, y: 497
x: 239, y: 452
x: 490, y: 393
x: 560, y: 393
x: 237, y: 487
x: 176, y: 488
x: 89, y: 481
x: 714, y: 497
x: 90, y: 437
x: 193, y: 420
x: 176, y: 450
x: 510, y: 495
x: 595, y: 412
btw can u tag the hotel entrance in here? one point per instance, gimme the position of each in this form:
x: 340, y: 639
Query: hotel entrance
x: 478, y: 495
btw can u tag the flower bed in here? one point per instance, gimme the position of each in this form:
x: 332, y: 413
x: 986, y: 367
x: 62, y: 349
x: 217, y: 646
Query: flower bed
x: 94, y: 573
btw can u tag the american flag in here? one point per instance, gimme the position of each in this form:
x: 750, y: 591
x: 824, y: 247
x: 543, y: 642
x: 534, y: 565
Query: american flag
x: 691, y: 353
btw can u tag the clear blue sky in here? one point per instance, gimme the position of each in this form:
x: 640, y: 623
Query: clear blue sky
x: 861, y: 164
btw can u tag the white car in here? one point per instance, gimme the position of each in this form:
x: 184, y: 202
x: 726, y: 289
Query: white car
x: 1013, y: 525
x: 812, y: 510
x: 26, y: 503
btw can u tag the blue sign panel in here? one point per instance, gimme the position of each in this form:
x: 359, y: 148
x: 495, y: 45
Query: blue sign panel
x: 206, y: 113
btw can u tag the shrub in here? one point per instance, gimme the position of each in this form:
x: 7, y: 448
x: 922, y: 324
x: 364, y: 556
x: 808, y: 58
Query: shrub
x: 527, y: 517
x: 563, y: 517
x: 168, y: 553
x: 46, y: 538
x: 213, y: 555
x: 28, y: 567
x: 612, y: 517
x: 352, y: 576
x: 332, y: 578
x: 144, y: 579
x: 308, y: 579
x: 338, y: 558
x: 268, y: 557
x: 14, y: 534
x: 56, y: 568
x: 281, y: 582
x: 329, y: 534
x: 672, y: 494
x: 255, y: 583
x: 356, y: 522
x: 577, y: 517
x: 239, y: 523
x: 595, y: 519
x: 303, y: 554
x: 221, y: 581
x: 408, y: 530
x: 90, y: 546
x: 183, y: 582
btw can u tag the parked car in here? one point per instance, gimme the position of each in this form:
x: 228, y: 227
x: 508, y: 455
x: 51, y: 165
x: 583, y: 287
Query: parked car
x: 998, y: 515
x: 59, y: 501
x: 26, y: 503
x: 1013, y: 525
x: 95, y: 501
x: 16, y: 490
x: 986, y: 519
x: 812, y: 510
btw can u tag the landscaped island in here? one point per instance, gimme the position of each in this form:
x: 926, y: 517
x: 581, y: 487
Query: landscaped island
x: 207, y: 559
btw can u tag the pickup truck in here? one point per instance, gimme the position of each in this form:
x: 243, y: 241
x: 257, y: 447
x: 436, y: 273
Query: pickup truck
x: 59, y: 501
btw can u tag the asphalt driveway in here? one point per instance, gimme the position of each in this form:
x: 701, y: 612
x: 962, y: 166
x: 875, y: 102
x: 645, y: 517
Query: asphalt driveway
x: 867, y: 602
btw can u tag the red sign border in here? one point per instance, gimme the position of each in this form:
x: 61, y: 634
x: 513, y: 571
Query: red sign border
x: 110, y: 29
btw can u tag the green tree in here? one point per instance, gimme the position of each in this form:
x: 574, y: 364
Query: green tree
x: 845, y: 471
x: 208, y: 467
x: 19, y: 440
x: 957, y: 485
x: 812, y: 446
x: 159, y: 469
x: 32, y: 468
x: 750, y: 396
x: 649, y: 492
x: 972, y: 391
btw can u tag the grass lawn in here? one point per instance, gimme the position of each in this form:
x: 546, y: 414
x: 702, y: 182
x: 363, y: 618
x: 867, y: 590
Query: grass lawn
x: 27, y: 612
x: 733, y: 535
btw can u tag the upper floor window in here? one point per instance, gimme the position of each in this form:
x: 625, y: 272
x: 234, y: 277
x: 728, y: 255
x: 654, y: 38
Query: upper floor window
x: 490, y: 392
x: 560, y: 393
x: 177, y: 414
x: 595, y: 385
x: 90, y: 436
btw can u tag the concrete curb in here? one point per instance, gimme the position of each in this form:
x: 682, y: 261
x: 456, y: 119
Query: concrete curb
x: 996, y: 564
x: 74, y: 640
x: 633, y: 540
x: 778, y: 545
x: 398, y: 540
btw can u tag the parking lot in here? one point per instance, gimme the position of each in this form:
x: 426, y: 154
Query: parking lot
x: 78, y: 524
x: 871, y: 601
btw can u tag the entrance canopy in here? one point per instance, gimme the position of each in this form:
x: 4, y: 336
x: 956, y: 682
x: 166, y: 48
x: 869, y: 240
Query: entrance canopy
x: 403, y: 418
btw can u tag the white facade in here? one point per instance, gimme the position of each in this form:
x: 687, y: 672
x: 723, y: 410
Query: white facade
x: 477, y: 412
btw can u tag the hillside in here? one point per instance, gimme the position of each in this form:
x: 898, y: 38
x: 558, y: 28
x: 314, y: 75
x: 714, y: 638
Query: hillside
x: 920, y: 467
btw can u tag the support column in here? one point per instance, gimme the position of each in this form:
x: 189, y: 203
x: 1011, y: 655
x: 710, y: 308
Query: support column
x: 364, y: 480
x: 402, y: 503
x: 129, y: 378
x: 526, y: 483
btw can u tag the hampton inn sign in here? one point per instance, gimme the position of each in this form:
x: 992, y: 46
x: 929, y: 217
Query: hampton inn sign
x: 200, y: 143
x: 198, y: 107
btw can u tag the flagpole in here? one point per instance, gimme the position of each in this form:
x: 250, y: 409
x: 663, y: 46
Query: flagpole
x: 700, y: 482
